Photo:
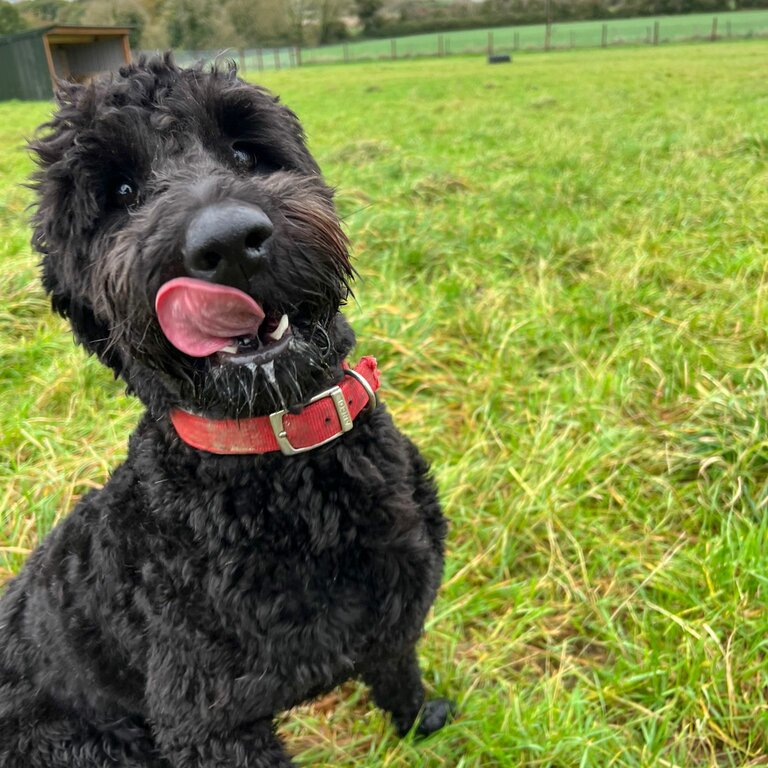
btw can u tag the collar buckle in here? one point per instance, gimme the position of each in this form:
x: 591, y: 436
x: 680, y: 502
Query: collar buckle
x: 342, y: 411
x: 345, y: 422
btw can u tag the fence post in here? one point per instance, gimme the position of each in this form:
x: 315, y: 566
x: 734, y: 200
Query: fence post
x: 490, y: 43
x: 276, y: 53
x: 604, y: 38
x: 241, y: 56
x: 291, y: 58
x: 713, y: 36
x: 547, y: 36
x: 393, y: 48
x: 656, y: 32
x: 447, y: 46
x: 728, y: 29
x: 440, y: 46
x: 346, y: 52
x: 259, y: 59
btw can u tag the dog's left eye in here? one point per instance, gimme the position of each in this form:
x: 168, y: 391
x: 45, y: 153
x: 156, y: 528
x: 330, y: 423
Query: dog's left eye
x: 244, y: 157
x: 124, y: 195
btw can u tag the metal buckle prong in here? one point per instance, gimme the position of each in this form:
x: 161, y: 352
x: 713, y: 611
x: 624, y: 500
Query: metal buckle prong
x: 345, y: 420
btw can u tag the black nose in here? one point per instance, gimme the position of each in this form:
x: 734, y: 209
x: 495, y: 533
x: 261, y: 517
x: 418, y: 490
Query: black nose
x: 224, y: 243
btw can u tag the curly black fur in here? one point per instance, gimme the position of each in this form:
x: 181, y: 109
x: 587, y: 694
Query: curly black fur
x: 174, y: 612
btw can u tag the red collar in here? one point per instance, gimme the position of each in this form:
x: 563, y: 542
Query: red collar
x: 325, y: 417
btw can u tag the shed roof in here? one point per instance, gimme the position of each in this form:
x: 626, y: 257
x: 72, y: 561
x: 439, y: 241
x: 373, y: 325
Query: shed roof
x: 67, y: 31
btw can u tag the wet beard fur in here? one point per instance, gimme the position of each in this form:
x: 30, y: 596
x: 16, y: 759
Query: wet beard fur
x: 288, y: 381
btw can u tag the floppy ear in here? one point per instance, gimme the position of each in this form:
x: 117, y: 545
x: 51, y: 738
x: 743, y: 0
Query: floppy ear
x: 54, y: 223
x: 56, y: 220
x: 87, y: 329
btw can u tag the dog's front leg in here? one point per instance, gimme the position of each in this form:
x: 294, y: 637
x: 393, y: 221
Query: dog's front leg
x: 197, y: 722
x: 396, y: 687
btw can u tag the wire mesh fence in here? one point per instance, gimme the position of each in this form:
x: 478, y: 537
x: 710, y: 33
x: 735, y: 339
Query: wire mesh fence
x: 557, y: 36
x: 248, y: 59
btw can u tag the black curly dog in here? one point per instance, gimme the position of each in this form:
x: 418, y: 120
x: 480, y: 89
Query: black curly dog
x: 189, y: 238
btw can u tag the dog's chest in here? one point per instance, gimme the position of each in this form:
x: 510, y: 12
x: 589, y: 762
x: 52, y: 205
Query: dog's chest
x: 343, y: 558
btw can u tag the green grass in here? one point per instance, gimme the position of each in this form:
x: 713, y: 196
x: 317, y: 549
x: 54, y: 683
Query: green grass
x: 564, y: 278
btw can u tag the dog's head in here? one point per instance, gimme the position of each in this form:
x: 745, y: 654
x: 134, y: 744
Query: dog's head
x: 190, y: 240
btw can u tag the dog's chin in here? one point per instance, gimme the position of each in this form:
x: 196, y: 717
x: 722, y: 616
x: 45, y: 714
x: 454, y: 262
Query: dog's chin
x: 257, y: 377
x: 247, y: 378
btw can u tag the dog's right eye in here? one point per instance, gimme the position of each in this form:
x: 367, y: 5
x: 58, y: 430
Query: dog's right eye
x: 244, y: 156
x: 124, y: 195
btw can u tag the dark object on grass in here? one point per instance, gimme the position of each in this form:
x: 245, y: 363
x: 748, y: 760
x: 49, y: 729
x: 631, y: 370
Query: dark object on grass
x: 189, y: 238
x: 499, y: 58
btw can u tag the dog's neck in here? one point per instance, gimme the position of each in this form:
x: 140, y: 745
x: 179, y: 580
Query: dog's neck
x: 326, y: 416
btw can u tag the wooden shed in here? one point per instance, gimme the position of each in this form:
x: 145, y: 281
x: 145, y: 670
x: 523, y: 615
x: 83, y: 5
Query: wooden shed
x: 30, y: 61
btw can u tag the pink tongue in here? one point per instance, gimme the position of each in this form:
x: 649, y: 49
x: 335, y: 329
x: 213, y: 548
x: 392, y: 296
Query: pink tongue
x: 200, y: 318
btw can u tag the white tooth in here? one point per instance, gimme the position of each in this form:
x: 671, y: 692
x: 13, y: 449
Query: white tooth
x: 279, y: 332
x: 229, y: 350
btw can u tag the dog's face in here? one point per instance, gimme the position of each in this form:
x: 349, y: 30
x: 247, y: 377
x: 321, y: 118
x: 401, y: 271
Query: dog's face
x: 189, y: 238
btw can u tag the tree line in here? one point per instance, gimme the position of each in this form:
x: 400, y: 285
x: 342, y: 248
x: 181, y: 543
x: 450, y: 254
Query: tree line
x: 211, y: 24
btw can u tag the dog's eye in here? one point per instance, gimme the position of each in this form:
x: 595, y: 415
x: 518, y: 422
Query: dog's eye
x: 244, y: 157
x: 124, y: 195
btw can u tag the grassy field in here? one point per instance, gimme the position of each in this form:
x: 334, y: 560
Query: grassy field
x: 565, y: 34
x: 564, y: 278
x: 531, y: 37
